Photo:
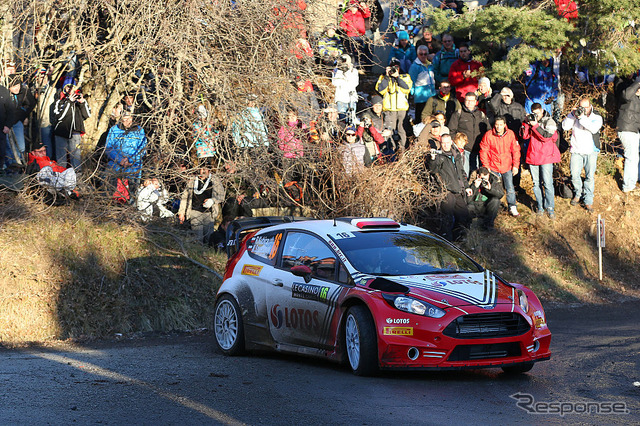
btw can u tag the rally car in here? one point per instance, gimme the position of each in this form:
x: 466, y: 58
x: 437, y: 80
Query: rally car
x: 372, y: 292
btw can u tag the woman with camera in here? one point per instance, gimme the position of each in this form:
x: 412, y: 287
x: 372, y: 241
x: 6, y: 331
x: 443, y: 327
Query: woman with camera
x: 542, y: 152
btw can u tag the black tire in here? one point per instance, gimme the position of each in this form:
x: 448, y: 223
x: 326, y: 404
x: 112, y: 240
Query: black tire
x: 518, y: 369
x: 228, y: 327
x: 361, y: 341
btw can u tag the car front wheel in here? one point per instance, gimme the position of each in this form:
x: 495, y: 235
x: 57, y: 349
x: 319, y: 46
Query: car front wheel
x: 228, y: 327
x: 361, y: 341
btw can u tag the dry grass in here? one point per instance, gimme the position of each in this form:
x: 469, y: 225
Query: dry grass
x: 68, y: 275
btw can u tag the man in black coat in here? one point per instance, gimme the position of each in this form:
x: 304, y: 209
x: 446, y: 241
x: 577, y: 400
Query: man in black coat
x: 22, y: 104
x: 6, y: 120
x: 503, y: 104
x: 69, y: 113
x: 629, y: 133
x: 448, y: 165
x: 473, y: 123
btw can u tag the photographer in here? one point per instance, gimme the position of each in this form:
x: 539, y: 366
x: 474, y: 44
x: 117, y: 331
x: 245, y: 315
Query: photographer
x: 585, y: 125
x: 629, y: 134
x: 542, y: 152
x: 394, y: 89
x: 484, y: 202
x: 448, y: 165
x: 353, y: 23
x: 69, y: 113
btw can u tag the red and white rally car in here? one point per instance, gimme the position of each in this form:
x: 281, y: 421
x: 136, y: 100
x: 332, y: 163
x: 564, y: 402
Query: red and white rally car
x: 375, y: 292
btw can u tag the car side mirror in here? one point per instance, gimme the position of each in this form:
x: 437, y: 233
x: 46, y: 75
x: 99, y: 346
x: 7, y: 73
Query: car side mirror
x: 302, y: 271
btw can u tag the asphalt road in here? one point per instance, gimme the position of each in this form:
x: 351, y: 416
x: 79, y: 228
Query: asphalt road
x: 180, y: 380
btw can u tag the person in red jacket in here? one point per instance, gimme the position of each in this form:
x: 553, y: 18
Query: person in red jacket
x: 50, y: 174
x: 542, y: 153
x: 353, y: 24
x: 500, y: 153
x: 464, y: 73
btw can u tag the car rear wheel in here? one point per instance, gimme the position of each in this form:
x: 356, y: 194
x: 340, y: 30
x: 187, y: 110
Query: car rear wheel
x: 518, y: 369
x: 228, y: 326
x: 361, y: 341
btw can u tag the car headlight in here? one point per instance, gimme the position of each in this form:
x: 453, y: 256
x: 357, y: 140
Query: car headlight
x: 415, y: 306
x: 524, y: 302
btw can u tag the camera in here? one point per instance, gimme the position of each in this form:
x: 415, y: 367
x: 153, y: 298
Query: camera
x: 579, y: 111
x: 532, y: 117
x: 485, y: 182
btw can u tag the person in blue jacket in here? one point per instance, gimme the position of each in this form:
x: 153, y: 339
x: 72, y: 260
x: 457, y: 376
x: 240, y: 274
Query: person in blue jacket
x: 541, y: 86
x: 424, y: 83
x: 125, y: 148
x: 404, y: 51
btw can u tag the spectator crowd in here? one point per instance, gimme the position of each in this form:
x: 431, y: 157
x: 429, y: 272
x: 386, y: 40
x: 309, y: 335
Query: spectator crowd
x: 428, y: 93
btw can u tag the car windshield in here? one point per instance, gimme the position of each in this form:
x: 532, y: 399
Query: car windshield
x: 403, y: 253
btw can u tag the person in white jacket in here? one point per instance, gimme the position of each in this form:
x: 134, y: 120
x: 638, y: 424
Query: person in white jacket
x: 585, y: 125
x: 345, y: 78
x: 152, y: 198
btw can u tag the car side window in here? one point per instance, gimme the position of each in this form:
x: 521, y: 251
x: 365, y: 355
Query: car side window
x: 304, y: 249
x: 264, y: 247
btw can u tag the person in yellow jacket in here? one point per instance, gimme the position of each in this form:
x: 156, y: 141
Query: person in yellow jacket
x: 394, y: 89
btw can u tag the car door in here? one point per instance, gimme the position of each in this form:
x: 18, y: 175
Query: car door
x: 301, y: 312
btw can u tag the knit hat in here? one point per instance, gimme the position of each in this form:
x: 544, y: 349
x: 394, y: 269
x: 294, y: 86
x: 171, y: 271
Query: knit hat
x: 403, y: 35
x: 14, y: 80
x: 376, y: 99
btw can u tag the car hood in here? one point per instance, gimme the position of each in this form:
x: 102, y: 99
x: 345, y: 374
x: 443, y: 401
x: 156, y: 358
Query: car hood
x: 458, y: 289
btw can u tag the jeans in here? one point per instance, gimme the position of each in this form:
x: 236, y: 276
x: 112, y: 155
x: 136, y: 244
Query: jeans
x: 544, y: 171
x: 18, y: 131
x: 47, y: 139
x: 69, y: 146
x: 471, y: 162
x: 343, y: 109
x: 507, y: 181
x: 394, y: 120
x: 631, y: 143
x: 588, y: 163
x: 3, y: 149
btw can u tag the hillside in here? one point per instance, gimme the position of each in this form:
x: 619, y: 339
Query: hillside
x: 78, y: 271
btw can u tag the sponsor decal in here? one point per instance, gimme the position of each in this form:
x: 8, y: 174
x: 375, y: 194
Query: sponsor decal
x: 397, y: 320
x: 397, y: 331
x: 309, y: 292
x: 338, y: 251
x: 452, y: 280
x: 253, y: 270
x: 299, y: 319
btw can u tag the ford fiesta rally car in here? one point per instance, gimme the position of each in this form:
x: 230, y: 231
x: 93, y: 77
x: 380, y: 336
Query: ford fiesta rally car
x: 372, y: 292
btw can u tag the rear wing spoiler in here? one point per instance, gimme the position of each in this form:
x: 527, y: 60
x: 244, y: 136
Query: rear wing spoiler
x: 239, y: 228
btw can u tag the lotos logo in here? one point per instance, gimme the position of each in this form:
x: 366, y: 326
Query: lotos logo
x: 302, y: 319
x: 276, y: 316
